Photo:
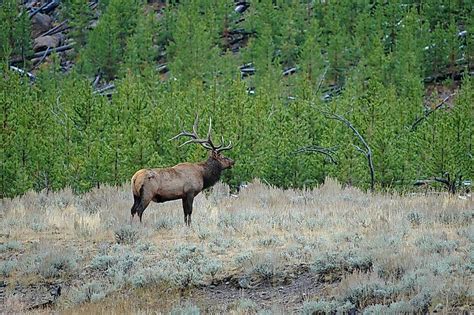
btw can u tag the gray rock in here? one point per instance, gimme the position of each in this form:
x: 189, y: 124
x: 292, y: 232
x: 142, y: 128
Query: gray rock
x: 40, y: 23
x: 43, y: 42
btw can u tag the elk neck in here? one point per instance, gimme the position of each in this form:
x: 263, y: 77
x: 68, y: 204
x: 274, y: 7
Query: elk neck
x: 212, y: 172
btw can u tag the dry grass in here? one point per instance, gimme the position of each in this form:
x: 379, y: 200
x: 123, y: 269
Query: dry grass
x: 385, y: 253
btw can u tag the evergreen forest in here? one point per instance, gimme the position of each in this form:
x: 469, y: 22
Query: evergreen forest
x: 377, y: 94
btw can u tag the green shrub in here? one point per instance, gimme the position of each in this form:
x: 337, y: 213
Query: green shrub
x: 265, y: 269
x: 7, y: 267
x: 269, y: 241
x: 366, y: 293
x: 154, y: 275
x: 221, y: 245
x: 55, y: 263
x: 456, y: 217
x: 126, y: 262
x: 212, y: 267
x: 145, y: 246
x: 376, y: 309
x: 244, y: 306
x: 89, y: 292
x: 186, y: 309
x: 335, y: 264
x: 415, y: 218
x: 164, y: 223
x: 38, y: 226
x: 10, y: 245
x: 243, y: 258
x: 126, y: 234
x: 419, y: 303
x: 203, y: 232
x: 103, y: 262
x: 318, y: 307
x: 436, y: 243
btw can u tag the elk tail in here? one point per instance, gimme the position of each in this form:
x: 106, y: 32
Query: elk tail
x: 137, y: 202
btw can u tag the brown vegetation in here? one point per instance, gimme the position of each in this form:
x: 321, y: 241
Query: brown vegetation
x: 266, y: 249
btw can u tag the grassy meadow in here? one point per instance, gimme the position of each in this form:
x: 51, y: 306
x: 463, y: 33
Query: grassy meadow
x: 264, y: 250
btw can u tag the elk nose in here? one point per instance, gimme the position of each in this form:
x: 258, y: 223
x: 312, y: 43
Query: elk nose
x: 232, y: 162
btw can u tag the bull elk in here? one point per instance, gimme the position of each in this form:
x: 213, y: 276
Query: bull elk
x: 183, y: 181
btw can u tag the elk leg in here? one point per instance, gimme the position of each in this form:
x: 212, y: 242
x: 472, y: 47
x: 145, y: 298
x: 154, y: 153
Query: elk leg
x: 185, y: 210
x: 188, y: 208
x: 136, y: 205
x: 144, y: 204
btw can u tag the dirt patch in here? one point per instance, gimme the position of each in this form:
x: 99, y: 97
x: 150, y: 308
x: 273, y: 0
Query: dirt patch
x: 30, y: 297
x: 287, y: 297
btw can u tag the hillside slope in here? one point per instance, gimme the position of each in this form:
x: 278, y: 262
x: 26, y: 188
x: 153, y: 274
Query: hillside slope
x: 271, y: 74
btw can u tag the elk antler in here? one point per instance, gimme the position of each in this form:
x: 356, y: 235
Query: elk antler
x: 205, y: 142
x: 221, y: 147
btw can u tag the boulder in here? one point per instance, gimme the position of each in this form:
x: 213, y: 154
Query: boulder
x: 40, y: 23
x: 43, y: 42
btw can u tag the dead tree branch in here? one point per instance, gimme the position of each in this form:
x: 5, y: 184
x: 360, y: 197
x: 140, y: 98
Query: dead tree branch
x: 96, y: 81
x: 42, y: 58
x: 321, y: 79
x: 366, y: 151
x: 429, y: 112
x: 450, y: 183
x: 328, y: 152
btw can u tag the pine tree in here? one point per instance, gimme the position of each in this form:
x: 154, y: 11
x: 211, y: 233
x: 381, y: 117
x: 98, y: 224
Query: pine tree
x: 106, y: 43
x: 194, y: 47
x: 140, y: 52
x: 311, y: 58
x: 79, y: 14
x: 19, y: 137
x: 15, y: 36
x: 337, y: 44
x: 407, y: 58
x: 446, y: 140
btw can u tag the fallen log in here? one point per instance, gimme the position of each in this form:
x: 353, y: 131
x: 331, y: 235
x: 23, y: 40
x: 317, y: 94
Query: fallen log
x: 50, y: 6
x: 58, y: 28
x: 456, y: 75
x: 23, y: 72
x: 38, y: 10
x: 105, y: 88
x: 289, y: 71
x: 41, y: 53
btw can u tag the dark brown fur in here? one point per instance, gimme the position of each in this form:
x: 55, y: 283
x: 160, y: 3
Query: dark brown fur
x: 183, y: 181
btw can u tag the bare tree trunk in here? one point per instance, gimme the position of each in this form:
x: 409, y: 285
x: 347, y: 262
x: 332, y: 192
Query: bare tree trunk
x: 366, y: 151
